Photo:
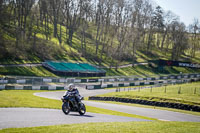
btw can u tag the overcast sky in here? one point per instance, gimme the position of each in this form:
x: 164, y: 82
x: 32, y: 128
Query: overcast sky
x: 187, y: 10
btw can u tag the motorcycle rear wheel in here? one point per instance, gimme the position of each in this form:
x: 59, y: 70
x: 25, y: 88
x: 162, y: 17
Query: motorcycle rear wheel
x: 65, y: 108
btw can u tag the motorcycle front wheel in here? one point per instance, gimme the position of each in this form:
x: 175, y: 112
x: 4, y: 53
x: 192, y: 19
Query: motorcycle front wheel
x: 65, y: 108
x: 82, y: 109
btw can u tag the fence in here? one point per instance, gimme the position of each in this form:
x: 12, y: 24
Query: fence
x: 141, y: 83
x: 45, y: 87
x: 40, y: 80
x: 33, y: 83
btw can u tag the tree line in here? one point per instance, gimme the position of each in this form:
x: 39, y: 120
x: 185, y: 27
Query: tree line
x: 121, y: 27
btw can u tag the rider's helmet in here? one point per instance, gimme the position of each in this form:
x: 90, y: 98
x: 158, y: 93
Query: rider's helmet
x: 71, y: 86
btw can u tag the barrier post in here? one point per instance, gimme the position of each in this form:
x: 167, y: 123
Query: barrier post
x: 179, y: 90
x: 195, y: 90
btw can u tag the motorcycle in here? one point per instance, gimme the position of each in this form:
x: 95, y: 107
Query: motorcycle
x: 70, y: 104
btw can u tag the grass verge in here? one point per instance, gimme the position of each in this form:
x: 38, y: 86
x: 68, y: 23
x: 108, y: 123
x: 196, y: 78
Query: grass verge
x: 115, y: 127
x: 182, y: 93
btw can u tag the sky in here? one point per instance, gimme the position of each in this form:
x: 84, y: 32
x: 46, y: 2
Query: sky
x: 187, y: 10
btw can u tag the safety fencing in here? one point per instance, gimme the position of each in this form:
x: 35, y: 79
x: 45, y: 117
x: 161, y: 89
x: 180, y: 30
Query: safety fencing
x: 121, y: 82
x: 99, y: 86
x: 40, y: 80
x: 140, y: 83
x: 46, y: 87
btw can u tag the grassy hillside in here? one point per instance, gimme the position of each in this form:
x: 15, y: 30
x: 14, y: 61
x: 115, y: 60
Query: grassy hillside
x: 51, y: 49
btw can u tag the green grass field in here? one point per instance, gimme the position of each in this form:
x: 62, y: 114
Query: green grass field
x: 189, y: 93
x: 115, y: 127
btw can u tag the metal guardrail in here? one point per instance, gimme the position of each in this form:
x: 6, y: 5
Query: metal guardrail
x: 29, y: 87
x: 41, y: 80
x: 141, y: 83
x: 137, y: 83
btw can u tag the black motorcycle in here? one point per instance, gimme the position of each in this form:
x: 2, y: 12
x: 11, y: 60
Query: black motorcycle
x: 70, y: 104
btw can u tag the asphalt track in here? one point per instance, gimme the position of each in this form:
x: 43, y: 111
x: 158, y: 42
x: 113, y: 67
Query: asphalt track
x: 34, y: 117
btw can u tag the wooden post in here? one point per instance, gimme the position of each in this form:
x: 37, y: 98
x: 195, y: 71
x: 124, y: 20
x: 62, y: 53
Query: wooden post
x: 179, y: 90
x: 195, y: 90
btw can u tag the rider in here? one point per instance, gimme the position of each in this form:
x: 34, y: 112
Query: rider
x: 74, y: 91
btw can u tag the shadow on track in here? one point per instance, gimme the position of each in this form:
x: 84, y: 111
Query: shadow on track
x: 81, y: 115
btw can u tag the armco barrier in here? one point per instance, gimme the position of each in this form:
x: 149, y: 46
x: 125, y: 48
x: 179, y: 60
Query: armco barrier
x: 152, y: 103
x: 140, y: 83
x: 73, y: 80
x: 9, y: 87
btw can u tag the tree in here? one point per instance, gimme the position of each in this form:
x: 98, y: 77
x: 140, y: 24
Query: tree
x: 180, y: 40
x: 169, y: 17
x: 194, y: 30
x: 54, y: 13
x: 21, y: 11
x: 71, y: 13
x: 158, y: 23
x: 150, y: 30
x: 141, y: 14
x: 44, y: 17
x: 86, y: 9
x: 121, y: 13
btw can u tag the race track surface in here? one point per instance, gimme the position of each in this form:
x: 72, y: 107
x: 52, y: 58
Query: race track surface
x: 33, y: 117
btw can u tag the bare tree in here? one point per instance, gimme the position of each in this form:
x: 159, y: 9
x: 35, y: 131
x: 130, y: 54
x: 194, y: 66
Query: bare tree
x: 140, y: 17
x: 121, y: 13
x: 169, y: 17
x: 44, y: 17
x: 54, y: 13
x: 71, y: 13
x: 158, y: 22
x: 194, y: 30
x: 86, y: 9
x: 180, y: 40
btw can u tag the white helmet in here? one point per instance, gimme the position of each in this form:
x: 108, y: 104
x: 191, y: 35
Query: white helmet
x: 71, y: 86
